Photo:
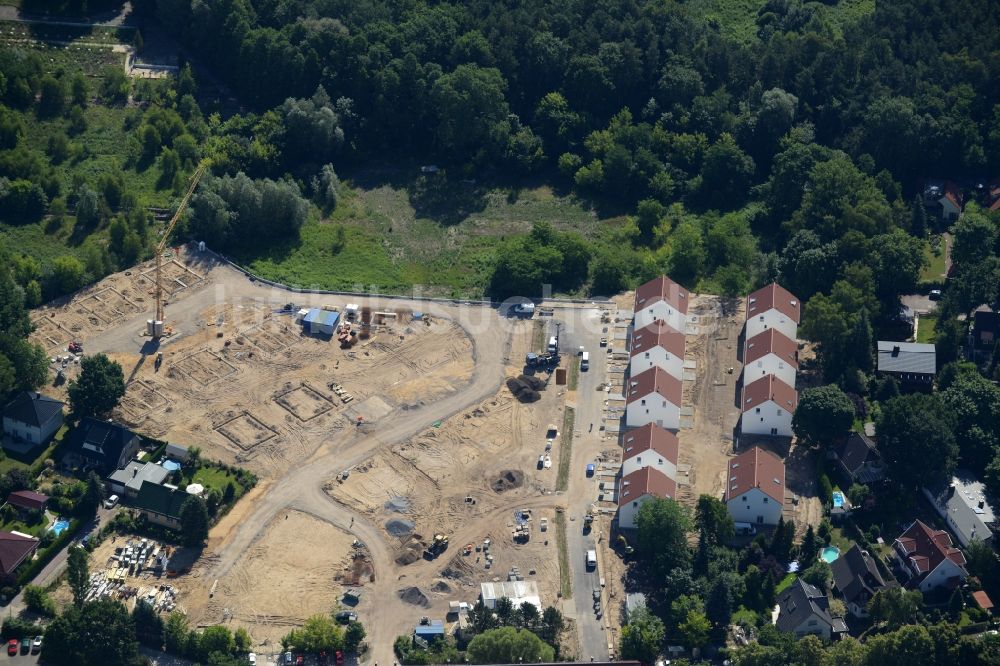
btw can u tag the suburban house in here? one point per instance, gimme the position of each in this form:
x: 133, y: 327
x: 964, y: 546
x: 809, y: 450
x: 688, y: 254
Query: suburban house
x: 943, y: 200
x: 772, y: 306
x: 161, y: 504
x: 986, y: 328
x: 767, y: 406
x: 983, y: 601
x: 857, y: 579
x: 657, y: 345
x: 913, y: 364
x: 28, y: 500
x: 928, y: 558
x: 638, y: 488
x: 858, y: 460
x: 15, y: 549
x: 650, y: 446
x: 661, y: 299
x: 654, y: 396
x: 964, y: 507
x: 755, y: 491
x: 32, y: 417
x: 127, y: 482
x: 103, y: 445
x: 803, y: 609
x: 770, y: 353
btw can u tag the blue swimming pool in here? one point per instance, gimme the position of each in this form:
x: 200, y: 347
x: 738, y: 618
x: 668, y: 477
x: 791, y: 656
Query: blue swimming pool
x: 59, y: 526
x: 170, y: 465
x: 838, y: 498
x: 830, y: 554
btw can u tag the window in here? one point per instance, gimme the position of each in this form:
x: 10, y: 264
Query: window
x: 757, y: 411
x: 765, y: 500
x: 647, y: 354
x: 760, y: 520
x: 635, y: 505
x: 779, y: 412
x: 761, y: 318
x: 643, y: 403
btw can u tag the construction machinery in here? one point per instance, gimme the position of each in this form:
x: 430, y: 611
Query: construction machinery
x: 438, y: 545
x: 154, y: 327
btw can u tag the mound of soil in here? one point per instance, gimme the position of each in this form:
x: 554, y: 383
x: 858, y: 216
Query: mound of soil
x: 397, y: 504
x: 398, y: 528
x: 442, y: 587
x: 532, y: 382
x: 508, y: 480
x: 413, y: 595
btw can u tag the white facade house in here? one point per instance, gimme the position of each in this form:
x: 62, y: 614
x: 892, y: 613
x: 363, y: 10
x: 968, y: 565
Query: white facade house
x: 772, y: 306
x: 650, y: 446
x: 770, y: 353
x: 929, y: 558
x: 653, y: 396
x: 638, y: 488
x: 661, y: 299
x: 767, y: 406
x: 32, y: 417
x: 755, y: 490
x: 657, y: 345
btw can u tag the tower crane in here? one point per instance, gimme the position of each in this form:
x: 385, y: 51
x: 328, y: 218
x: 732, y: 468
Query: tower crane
x: 154, y: 327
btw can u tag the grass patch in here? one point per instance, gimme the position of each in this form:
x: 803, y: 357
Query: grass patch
x: 565, y: 579
x: 927, y: 328
x: 17, y: 525
x: 573, y: 374
x: 934, y: 254
x: 784, y: 583
x: 215, y: 478
x: 737, y: 19
x: 565, y: 449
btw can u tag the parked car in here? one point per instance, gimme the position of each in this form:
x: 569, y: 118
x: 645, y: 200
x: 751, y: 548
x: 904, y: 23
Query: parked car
x: 12, y: 647
x: 289, y: 659
x: 935, y: 295
x: 343, y: 617
x: 591, y: 469
x: 26, y: 645
x: 111, y: 502
x: 252, y: 659
x: 36, y: 645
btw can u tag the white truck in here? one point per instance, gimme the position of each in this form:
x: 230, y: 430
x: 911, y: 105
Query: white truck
x: 591, y: 560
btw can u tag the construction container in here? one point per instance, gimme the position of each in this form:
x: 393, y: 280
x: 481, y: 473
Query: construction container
x: 560, y: 376
x: 154, y: 328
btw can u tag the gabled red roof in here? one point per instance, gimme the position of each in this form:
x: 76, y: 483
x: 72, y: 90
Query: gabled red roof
x: 654, y: 380
x: 756, y: 468
x: 983, y: 600
x: 658, y: 334
x: 953, y: 194
x: 927, y: 548
x: 661, y: 289
x: 776, y: 297
x: 646, y: 481
x: 14, y: 549
x: 767, y: 388
x: 650, y: 437
x: 771, y: 341
x: 27, y: 499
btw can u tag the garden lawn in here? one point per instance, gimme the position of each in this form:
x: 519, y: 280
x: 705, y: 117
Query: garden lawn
x: 213, y: 477
x: 934, y: 270
x: 927, y: 328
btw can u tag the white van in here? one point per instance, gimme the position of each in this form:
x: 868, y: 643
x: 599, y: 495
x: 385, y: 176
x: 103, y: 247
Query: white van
x: 591, y: 559
x: 553, y: 344
x: 585, y: 361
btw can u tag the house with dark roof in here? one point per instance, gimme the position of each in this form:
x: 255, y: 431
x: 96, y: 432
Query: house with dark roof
x: 856, y: 579
x: 161, y: 504
x: 803, y: 609
x: 985, y: 328
x: 32, y: 417
x: 942, y: 199
x: 770, y: 353
x: 661, y: 299
x: 772, y: 306
x: 103, y: 445
x: 650, y: 446
x: 858, y: 459
x: 638, y: 488
x: 15, y: 549
x: 912, y: 364
x: 964, y: 506
x: 653, y: 396
x: 127, y: 482
x: 755, y: 489
x: 768, y: 404
x: 657, y: 345
x: 28, y: 500
x: 928, y: 559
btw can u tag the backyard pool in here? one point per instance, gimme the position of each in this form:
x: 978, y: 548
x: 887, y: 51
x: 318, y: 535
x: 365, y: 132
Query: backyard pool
x: 838, y: 499
x: 170, y: 465
x: 830, y: 554
x: 59, y: 526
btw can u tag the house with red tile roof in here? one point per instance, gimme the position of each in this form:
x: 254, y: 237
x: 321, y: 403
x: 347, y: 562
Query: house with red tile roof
x: 929, y: 558
x: 657, y: 345
x: 638, y: 488
x: 770, y: 353
x: 28, y: 500
x: 653, y: 396
x: 755, y: 489
x: 661, y: 299
x: 768, y: 404
x: 943, y: 199
x: 15, y: 549
x: 773, y: 306
x: 650, y: 446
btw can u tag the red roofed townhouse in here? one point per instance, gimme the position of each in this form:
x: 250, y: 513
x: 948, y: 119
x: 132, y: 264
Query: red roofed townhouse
x: 929, y: 558
x: 28, y: 500
x: 755, y: 489
x: 768, y: 405
x: 638, y: 488
x: 653, y: 396
x: 650, y: 446
x: 658, y: 345
x: 770, y: 353
x: 14, y: 550
x: 661, y: 299
x: 773, y: 306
